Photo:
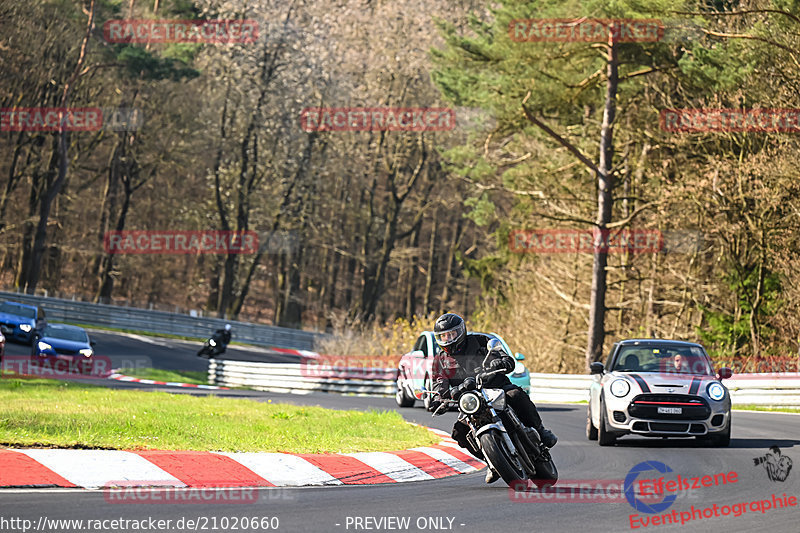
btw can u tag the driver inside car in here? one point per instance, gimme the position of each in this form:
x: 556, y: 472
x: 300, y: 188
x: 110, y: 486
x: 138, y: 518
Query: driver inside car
x: 460, y: 355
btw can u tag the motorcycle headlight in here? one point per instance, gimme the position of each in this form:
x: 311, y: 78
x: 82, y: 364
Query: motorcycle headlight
x: 212, y: 342
x: 25, y: 327
x: 519, y: 369
x: 715, y: 391
x: 43, y: 346
x: 620, y: 388
x: 469, y: 403
x: 86, y: 352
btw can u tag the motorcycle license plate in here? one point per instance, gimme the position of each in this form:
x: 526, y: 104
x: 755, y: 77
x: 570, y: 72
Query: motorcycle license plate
x: 670, y: 410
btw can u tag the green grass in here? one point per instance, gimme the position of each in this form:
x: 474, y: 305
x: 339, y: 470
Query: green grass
x: 198, y: 377
x: 52, y: 413
x: 763, y: 408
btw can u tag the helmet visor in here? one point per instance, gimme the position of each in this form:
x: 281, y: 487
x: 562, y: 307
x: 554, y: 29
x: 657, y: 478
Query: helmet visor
x: 449, y: 336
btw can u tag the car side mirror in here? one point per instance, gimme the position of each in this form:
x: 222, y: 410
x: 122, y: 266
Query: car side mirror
x: 596, y: 368
x: 92, y: 344
x: 519, y: 357
x: 724, y: 373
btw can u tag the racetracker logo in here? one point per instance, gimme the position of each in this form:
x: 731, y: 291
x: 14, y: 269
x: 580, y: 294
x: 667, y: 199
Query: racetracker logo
x: 181, y: 31
x: 377, y: 119
x: 55, y: 366
x: 349, y: 367
x: 131, y: 492
x: 180, y: 242
x: 574, y: 491
x: 56, y: 119
x: 554, y: 241
x: 730, y: 120
x: 585, y: 30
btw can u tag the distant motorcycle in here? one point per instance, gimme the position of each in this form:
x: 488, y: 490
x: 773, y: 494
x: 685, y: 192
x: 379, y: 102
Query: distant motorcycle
x: 514, y: 450
x: 217, y: 344
x: 211, y: 348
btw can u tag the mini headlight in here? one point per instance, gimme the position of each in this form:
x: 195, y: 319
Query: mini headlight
x: 715, y: 391
x: 519, y: 369
x: 86, y: 352
x: 43, y: 346
x: 25, y: 327
x: 469, y: 403
x: 620, y: 388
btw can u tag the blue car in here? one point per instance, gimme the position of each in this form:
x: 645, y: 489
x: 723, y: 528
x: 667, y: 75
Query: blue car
x: 61, y: 342
x: 18, y: 321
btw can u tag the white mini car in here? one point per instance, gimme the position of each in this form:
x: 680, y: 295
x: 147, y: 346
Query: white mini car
x: 658, y: 388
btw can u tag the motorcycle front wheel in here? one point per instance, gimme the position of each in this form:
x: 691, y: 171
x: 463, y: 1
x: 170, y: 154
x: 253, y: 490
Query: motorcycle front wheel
x: 501, y: 458
x: 546, y: 471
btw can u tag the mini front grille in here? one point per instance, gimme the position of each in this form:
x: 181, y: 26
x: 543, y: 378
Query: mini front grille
x: 691, y: 407
x: 64, y: 351
x: 665, y: 426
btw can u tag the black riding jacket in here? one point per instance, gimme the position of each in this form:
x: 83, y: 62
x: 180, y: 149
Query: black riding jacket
x: 450, y: 370
x: 223, y: 336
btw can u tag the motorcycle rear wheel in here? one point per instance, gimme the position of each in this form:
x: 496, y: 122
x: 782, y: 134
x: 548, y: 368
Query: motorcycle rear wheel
x: 496, y: 451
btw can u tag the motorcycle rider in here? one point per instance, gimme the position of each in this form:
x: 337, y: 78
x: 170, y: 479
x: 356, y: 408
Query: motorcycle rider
x: 460, y: 355
x: 222, y: 337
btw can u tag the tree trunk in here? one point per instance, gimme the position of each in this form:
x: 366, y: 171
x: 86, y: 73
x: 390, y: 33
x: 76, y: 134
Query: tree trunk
x: 50, y: 193
x: 605, y: 185
x: 426, y: 301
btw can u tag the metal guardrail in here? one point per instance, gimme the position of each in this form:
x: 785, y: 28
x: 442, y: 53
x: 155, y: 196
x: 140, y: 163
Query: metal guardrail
x: 92, y: 314
x: 302, y: 378
x: 753, y: 389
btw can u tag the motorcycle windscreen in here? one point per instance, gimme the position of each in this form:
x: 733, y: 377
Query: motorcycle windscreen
x: 496, y: 398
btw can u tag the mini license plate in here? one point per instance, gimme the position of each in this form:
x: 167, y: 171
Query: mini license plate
x: 670, y: 410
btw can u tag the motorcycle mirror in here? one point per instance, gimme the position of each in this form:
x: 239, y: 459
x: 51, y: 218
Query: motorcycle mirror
x: 419, y: 394
x: 494, y: 345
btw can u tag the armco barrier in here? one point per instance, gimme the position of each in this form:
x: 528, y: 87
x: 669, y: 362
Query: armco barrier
x: 133, y: 318
x: 753, y: 389
x: 302, y: 378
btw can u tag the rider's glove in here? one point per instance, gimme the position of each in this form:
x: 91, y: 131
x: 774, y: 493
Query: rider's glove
x: 496, y: 364
x: 434, y: 405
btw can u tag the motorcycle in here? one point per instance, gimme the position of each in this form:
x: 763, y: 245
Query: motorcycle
x: 514, y: 450
x: 212, y: 347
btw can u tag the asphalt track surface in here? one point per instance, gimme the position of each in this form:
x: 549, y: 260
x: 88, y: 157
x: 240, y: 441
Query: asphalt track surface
x: 461, y: 503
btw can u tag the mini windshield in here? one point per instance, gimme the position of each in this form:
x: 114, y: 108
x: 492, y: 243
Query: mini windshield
x: 670, y: 359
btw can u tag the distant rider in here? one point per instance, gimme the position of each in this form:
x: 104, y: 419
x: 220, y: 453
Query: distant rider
x: 222, y: 337
x: 460, y: 355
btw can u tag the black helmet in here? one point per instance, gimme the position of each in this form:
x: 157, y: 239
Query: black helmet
x: 450, y: 332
